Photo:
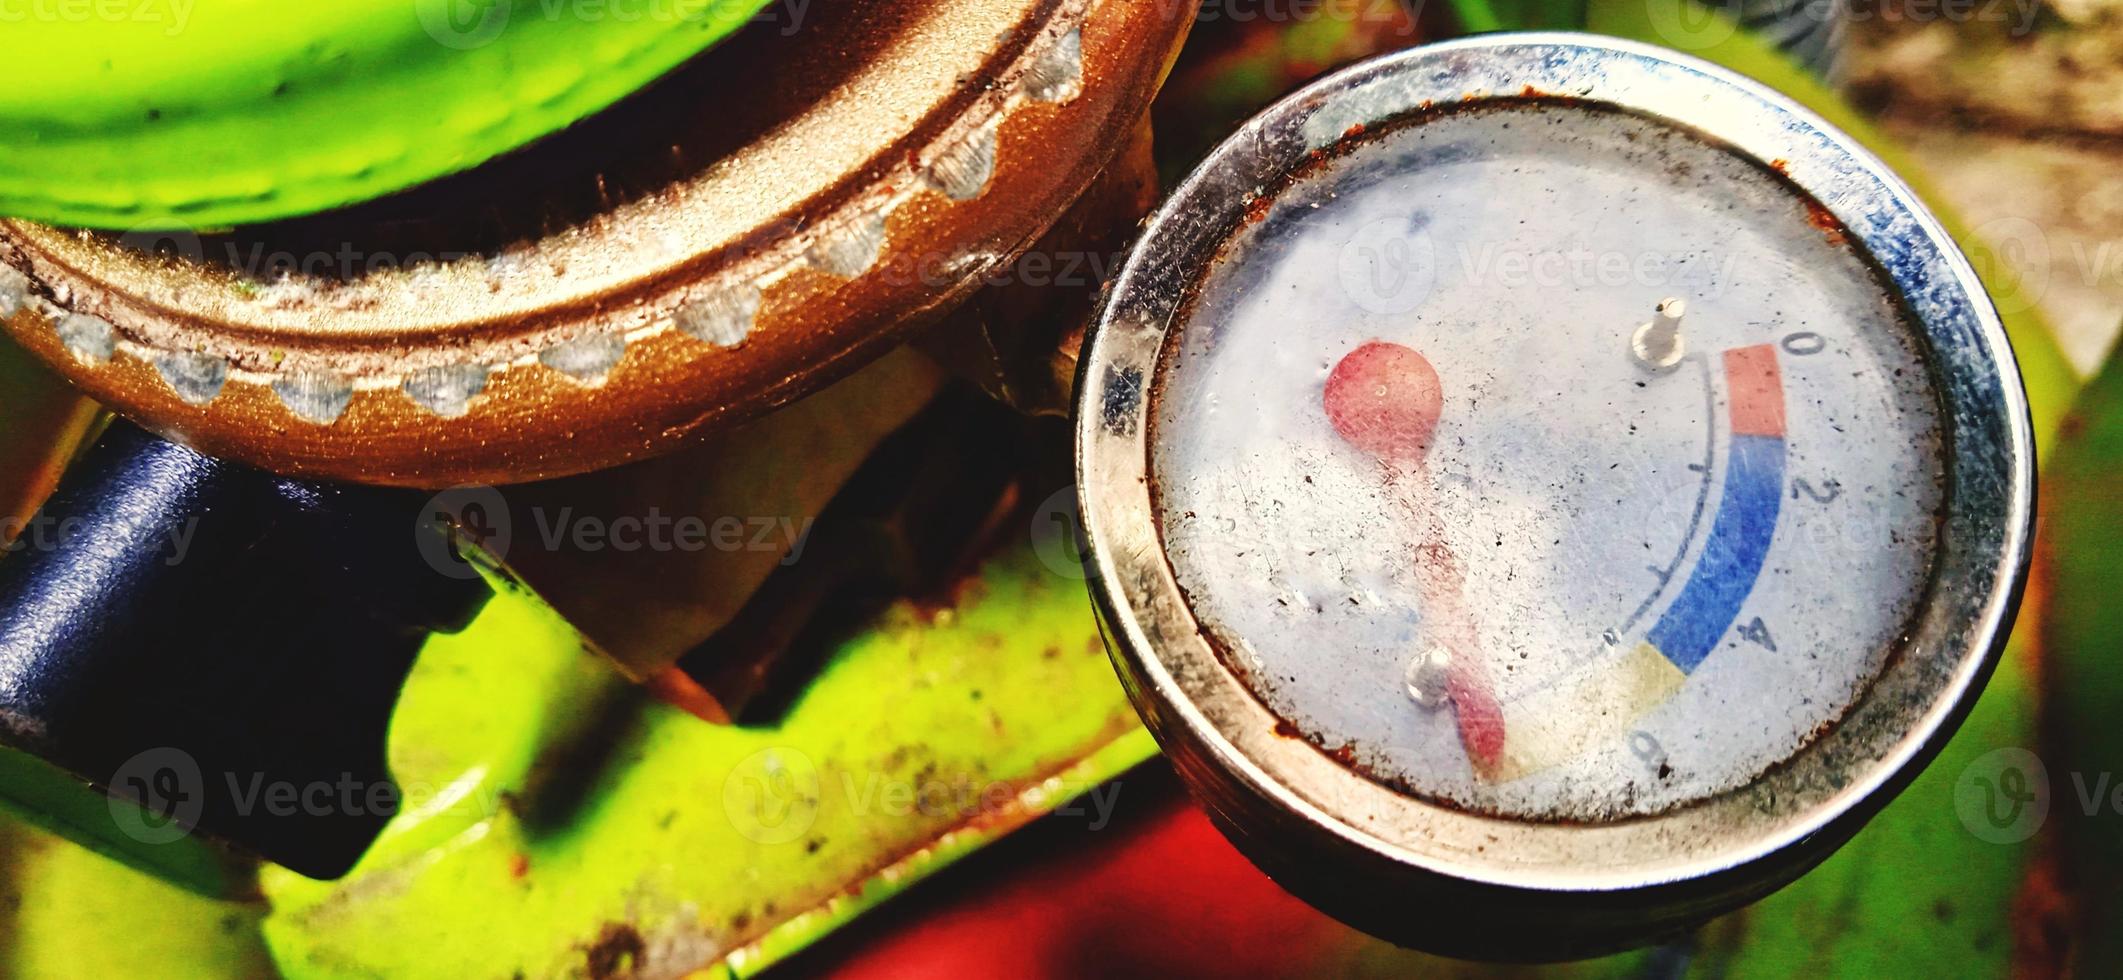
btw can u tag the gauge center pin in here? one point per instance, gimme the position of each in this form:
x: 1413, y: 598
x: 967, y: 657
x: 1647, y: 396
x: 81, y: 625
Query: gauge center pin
x: 1429, y: 677
x: 1658, y: 345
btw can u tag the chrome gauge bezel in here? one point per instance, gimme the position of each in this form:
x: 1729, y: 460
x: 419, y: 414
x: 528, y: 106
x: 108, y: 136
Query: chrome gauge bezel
x: 1388, y: 861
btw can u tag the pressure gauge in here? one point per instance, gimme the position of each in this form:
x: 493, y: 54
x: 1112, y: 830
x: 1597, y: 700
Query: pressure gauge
x: 1546, y: 491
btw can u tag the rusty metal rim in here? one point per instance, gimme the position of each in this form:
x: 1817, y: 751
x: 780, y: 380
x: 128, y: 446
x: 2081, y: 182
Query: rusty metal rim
x: 658, y: 354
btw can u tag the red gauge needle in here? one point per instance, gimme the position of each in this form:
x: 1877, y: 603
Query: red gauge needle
x: 1385, y: 400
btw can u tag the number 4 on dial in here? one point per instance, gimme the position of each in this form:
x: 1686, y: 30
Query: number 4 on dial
x: 1757, y: 632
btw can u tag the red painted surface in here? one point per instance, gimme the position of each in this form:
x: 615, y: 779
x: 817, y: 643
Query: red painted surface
x: 1757, y: 391
x: 1385, y: 400
x: 1158, y: 892
x: 1480, y: 714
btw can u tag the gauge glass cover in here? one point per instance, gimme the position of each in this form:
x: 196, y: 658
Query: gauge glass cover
x: 1614, y: 587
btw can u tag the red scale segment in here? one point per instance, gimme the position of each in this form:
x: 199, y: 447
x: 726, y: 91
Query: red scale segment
x: 1757, y: 391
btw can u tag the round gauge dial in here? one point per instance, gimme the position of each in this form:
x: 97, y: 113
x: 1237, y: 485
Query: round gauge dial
x: 1447, y: 520
x: 1550, y: 483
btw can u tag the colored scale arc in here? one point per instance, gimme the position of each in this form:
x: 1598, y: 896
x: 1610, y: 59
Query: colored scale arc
x: 1384, y: 399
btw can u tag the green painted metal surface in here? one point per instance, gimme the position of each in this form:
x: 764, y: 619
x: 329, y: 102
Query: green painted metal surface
x: 65, y: 913
x: 43, y: 797
x: 206, y: 113
x: 2080, y: 569
x: 561, y: 823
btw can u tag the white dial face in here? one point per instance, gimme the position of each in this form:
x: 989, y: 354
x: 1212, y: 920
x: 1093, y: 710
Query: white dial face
x: 1549, y: 462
